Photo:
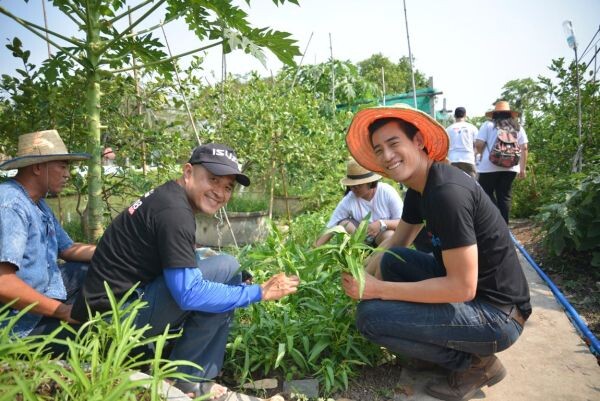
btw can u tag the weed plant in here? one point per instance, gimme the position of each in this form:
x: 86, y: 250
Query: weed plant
x: 241, y: 203
x: 310, y: 333
x: 102, y: 356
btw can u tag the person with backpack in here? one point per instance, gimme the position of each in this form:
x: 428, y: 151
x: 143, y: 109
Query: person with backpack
x: 502, y: 144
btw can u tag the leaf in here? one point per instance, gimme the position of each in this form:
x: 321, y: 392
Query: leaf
x: 317, y: 349
x: 280, y: 355
x: 298, y: 358
x: 595, y: 259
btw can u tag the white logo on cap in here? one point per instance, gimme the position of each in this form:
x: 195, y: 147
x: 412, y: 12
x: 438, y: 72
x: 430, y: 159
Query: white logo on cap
x: 227, y: 154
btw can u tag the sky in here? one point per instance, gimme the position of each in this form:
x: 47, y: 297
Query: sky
x: 471, y: 48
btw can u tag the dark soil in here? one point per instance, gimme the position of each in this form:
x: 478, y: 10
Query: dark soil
x: 379, y: 383
x: 572, y: 274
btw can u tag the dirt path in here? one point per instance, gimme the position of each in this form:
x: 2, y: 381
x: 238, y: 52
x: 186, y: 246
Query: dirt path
x: 577, y: 280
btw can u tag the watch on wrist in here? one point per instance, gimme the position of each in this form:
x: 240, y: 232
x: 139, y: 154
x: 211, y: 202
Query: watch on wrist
x: 383, y: 226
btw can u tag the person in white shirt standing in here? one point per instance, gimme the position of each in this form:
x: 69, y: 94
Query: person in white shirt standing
x: 462, y: 142
x: 497, y: 173
x: 364, y: 195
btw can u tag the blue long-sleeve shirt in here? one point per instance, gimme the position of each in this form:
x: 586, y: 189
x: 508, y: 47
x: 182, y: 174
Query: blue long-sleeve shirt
x: 192, y: 292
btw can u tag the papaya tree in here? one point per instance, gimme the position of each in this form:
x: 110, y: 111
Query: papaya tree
x: 103, y: 49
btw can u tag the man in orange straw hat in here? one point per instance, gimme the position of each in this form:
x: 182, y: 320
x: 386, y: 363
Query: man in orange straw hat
x: 31, y: 239
x: 467, y: 301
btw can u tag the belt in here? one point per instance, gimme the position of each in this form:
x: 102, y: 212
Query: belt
x: 511, y: 311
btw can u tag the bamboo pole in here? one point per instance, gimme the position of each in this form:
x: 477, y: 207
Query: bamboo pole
x: 410, y: 58
x: 138, y: 93
x: 274, y: 139
x: 332, y: 73
x: 301, y: 61
x: 285, y: 193
x: 46, y: 26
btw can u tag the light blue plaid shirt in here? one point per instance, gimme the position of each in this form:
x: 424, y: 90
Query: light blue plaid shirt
x: 31, y: 239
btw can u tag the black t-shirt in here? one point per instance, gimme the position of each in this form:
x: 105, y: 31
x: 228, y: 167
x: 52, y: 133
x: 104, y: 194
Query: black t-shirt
x: 157, y: 231
x: 459, y: 213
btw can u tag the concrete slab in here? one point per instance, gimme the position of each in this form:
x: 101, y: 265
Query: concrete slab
x: 549, y: 361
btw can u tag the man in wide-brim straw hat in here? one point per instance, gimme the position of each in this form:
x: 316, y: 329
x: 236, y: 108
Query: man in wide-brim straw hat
x: 365, y: 195
x: 31, y: 239
x: 468, y: 300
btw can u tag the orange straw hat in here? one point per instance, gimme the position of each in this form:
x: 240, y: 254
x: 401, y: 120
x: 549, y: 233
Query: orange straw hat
x: 359, y: 142
x: 502, y: 105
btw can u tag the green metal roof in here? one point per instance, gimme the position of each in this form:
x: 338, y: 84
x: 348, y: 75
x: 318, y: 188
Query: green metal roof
x: 423, y: 96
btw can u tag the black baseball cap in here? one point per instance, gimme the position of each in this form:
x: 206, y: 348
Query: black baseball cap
x: 460, y: 112
x: 219, y: 160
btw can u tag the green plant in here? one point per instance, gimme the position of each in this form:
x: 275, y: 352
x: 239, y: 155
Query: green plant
x: 573, y: 225
x: 242, y: 203
x: 350, y: 252
x: 308, y: 334
x: 104, y: 353
x: 283, y: 141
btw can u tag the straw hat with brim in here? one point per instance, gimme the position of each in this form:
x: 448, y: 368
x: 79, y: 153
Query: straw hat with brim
x: 356, y: 175
x: 502, y: 106
x: 41, y: 147
x: 435, y: 138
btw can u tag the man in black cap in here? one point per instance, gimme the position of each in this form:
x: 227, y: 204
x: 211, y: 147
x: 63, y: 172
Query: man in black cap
x: 153, y: 242
x: 462, y: 142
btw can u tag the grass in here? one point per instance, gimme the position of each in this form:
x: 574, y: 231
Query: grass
x: 241, y: 203
x: 102, y: 355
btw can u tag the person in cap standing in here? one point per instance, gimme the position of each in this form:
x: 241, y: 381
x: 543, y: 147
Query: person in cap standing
x: 364, y: 195
x: 152, y: 243
x: 461, y: 152
x: 469, y: 300
x: 32, y: 239
x: 497, y: 180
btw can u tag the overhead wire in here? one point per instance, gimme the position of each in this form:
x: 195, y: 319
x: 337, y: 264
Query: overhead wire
x: 181, y: 92
x: 594, y: 56
x: 589, y: 44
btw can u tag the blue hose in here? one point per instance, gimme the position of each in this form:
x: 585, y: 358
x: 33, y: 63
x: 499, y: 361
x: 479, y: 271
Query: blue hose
x: 579, y: 324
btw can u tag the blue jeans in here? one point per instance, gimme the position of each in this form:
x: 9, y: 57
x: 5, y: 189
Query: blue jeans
x: 204, y: 335
x: 445, y: 334
x: 73, y: 274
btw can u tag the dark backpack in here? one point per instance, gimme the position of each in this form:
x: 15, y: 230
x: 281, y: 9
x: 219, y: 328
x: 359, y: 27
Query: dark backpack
x: 506, y: 151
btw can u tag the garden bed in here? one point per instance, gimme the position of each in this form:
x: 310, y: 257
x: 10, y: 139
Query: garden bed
x: 572, y: 274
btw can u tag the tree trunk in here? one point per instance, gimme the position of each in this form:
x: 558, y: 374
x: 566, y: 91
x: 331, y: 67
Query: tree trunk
x: 93, y: 93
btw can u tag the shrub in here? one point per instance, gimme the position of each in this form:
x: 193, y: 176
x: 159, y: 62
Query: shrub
x: 573, y: 225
